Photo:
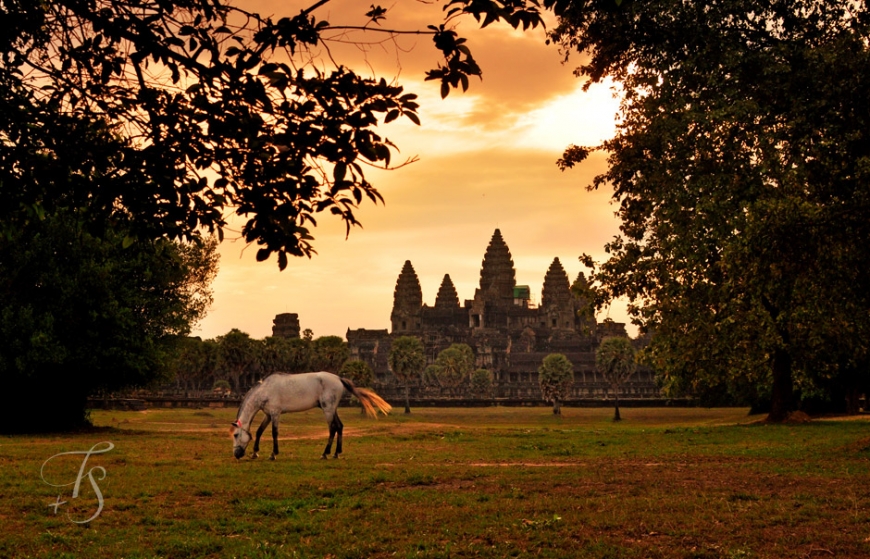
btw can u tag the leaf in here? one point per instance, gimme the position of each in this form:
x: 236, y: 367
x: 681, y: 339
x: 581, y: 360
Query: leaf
x: 339, y: 171
x: 391, y: 116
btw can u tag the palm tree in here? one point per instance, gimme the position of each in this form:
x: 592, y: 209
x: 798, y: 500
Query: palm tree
x: 453, y: 366
x: 615, y: 361
x: 407, y: 359
x: 555, y: 375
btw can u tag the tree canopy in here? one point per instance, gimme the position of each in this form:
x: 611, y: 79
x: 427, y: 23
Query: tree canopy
x: 555, y: 375
x: 80, y: 314
x: 328, y: 353
x: 481, y: 382
x: 141, y: 126
x: 741, y: 166
x: 286, y: 355
x: 358, y: 371
x: 194, y: 108
x: 614, y: 359
x: 407, y: 359
x: 453, y: 366
x: 239, y: 358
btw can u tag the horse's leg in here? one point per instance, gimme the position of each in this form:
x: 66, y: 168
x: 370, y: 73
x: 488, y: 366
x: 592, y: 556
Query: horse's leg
x: 274, y: 436
x: 339, y: 428
x: 260, y: 430
x: 331, y: 422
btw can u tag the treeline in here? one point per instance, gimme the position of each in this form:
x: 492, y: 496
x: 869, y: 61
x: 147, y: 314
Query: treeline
x: 241, y: 360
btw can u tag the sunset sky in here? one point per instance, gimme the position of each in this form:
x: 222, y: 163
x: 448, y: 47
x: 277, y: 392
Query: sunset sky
x: 487, y: 160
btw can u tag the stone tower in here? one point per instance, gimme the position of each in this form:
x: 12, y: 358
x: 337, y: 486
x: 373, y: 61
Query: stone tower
x: 447, y: 297
x: 286, y: 325
x: 497, y: 274
x: 407, y: 301
x: 556, y: 300
x: 495, y: 296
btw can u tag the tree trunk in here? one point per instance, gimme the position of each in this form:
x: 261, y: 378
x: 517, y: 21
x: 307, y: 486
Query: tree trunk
x: 853, y: 398
x: 616, y: 404
x: 782, y: 397
x: 407, y: 399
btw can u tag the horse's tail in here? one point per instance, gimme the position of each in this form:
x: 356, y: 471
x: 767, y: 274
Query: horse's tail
x: 371, y: 402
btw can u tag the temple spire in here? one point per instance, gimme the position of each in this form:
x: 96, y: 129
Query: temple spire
x: 447, y: 297
x: 407, y: 300
x: 497, y: 274
x: 557, y: 291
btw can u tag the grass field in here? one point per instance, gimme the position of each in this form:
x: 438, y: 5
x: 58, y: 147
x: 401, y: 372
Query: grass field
x: 484, y: 482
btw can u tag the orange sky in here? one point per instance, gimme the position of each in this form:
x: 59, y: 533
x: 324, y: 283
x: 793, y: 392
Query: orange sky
x: 487, y: 160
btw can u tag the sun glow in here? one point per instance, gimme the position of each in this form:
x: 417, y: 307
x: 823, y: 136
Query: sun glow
x: 487, y: 159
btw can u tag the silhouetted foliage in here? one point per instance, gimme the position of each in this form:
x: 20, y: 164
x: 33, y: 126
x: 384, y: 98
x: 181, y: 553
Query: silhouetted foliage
x: 80, y: 314
x: 197, y: 107
x: 240, y: 358
x: 127, y: 125
x: 328, y: 353
x: 740, y: 167
x: 195, y: 363
x: 286, y: 355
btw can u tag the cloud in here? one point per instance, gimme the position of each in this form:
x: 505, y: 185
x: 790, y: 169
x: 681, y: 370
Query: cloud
x: 487, y: 160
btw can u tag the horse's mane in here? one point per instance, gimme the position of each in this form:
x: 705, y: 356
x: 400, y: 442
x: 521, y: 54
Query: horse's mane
x: 247, y: 397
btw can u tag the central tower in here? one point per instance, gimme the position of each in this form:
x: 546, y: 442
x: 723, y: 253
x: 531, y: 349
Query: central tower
x: 494, y: 297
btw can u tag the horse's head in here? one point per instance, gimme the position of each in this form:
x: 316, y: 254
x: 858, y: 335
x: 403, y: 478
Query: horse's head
x: 241, y: 438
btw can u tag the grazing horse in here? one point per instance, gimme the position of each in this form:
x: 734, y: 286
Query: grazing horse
x: 281, y: 392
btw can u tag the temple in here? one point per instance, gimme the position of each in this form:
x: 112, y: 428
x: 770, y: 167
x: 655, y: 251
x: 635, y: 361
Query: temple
x: 509, y: 334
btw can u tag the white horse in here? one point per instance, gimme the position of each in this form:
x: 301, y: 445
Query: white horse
x: 280, y: 392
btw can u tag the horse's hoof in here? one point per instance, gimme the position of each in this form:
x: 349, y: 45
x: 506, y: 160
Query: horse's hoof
x: 324, y: 457
x: 273, y: 457
x: 254, y: 456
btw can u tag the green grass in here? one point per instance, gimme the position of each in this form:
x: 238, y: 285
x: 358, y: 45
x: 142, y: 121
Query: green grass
x: 484, y: 482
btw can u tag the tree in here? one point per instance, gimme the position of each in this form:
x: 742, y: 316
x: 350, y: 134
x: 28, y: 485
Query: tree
x: 453, y: 366
x: 429, y: 377
x: 614, y: 359
x: 407, y: 359
x: 481, y: 382
x: 198, y: 107
x: 147, y: 122
x: 80, y: 313
x: 195, y: 363
x: 328, y: 353
x: 286, y: 355
x: 358, y: 371
x: 239, y: 357
x: 743, y: 187
x: 556, y: 375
